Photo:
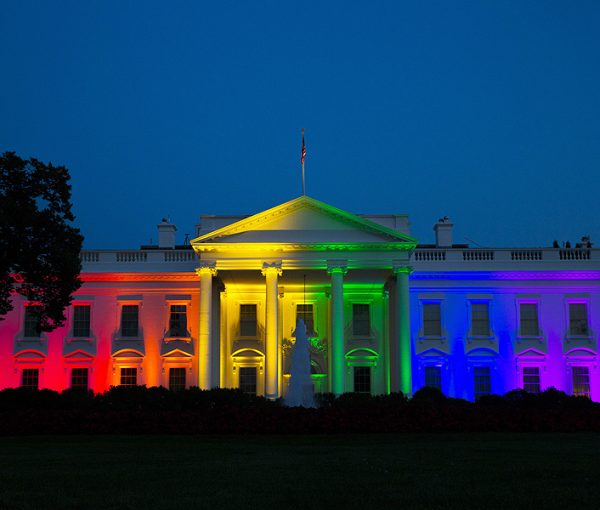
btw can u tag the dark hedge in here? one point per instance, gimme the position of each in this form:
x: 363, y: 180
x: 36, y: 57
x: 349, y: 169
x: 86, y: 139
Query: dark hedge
x: 141, y: 410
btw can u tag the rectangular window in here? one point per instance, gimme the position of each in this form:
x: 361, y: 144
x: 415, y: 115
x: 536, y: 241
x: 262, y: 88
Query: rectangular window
x: 177, y: 379
x: 129, y: 320
x: 31, y: 326
x: 581, y: 381
x: 178, y: 321
x: 30, y: 378
x: 433, y: 377
x: 483, y: 381
x: 578, y: 321
x: 362, y: 380
x: 248, y: 380
x: 248, y: 320
x: 480, y: 319
x: 432, y: 319
x: 305, y: 312
x: 529, y: 319
x: 361, y: 320
x: 79, y: 378
x: 531, y: 379
x: 128, y: 376
x: 81, y: 321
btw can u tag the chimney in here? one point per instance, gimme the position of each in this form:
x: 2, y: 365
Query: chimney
x: 443, y: 233
x: 166, y: 234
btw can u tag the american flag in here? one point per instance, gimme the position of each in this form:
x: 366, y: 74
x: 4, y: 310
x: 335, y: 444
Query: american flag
x: 303, y: 154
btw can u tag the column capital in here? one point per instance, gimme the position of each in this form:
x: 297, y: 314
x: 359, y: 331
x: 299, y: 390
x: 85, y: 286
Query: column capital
x: 271, y: 267
x: 337, y: 266
x: 206, y: 268
x: 401, y: 269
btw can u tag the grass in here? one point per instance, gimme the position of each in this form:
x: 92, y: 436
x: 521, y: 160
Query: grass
x: 431, y: 471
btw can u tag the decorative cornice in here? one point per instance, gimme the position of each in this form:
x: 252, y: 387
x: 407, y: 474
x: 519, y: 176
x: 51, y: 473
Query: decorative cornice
x: 138, y: 277
x: 401, y: 268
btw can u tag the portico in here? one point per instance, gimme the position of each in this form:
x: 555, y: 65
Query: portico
x: 304, y: 257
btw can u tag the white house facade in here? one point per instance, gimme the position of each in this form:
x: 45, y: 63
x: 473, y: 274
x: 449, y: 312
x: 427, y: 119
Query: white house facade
x: 384, y: 313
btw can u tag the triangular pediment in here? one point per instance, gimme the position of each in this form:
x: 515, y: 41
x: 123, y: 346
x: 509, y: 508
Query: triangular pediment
x: 305, y: 221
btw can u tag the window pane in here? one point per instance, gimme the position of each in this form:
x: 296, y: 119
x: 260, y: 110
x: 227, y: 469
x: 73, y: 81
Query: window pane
x: 578, y: 324
x: 79, y: 378
x: 531, y: 379
x: 30, y: 378
x: 529, y: 319
x: 128, y: 376
x: 178, y: 321
x: 305, y: 312
x: 248, y: 320
x: 483, y: 382
x: 129, y: 320
x: 581, y: 381
x: 177, y: 379
x: 248, y: 380
x: 432, y: 324
x: 81, y: 321
x: 361, y: 320
x: 31, y: 327
x: 481, y: 319
x: 433, y: 377
x: 362, y: 380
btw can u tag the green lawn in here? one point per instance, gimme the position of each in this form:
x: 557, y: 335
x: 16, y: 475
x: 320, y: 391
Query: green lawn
x: 479, y: 471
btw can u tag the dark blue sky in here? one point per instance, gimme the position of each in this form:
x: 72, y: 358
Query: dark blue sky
x: 488, y: 112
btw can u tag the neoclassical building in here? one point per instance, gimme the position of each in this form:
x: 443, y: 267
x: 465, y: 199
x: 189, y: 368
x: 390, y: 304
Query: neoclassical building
x: 384, y: 313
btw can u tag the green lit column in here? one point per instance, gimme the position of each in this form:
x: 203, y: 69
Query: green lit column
x: 271, y: 273
x: 338, y: 364
x: 206, y: 274
x: 403, y: 328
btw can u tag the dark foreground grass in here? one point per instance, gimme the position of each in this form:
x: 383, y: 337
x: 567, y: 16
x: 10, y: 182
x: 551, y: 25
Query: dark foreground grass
x: 482, y: 471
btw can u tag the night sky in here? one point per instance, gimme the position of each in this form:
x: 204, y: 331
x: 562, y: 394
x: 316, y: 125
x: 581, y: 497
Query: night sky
x: 488, y: 112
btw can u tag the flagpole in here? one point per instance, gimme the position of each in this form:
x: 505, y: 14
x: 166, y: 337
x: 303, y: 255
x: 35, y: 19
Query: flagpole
x: 302, y: 159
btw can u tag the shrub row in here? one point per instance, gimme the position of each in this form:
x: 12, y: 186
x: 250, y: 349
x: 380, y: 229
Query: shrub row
x: 140, y: 410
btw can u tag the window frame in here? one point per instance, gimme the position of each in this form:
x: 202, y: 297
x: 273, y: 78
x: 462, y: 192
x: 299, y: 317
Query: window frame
x: 121, y: 368
x: 256, y: 322
x: 368, y: 306
x: 311, y: 333
x: 74, y: 306
x: 539, y: 377
x: 478, y: 395
x: 587, y: 367
x: 361, y: 367
x: 37, y: 378
x: 488, y: 303
x: 578, y: 301
x: 440, y: 370
x: 24, y: 323
x: 520, y: 332
x: 80, y: 387
x: 428, y: 302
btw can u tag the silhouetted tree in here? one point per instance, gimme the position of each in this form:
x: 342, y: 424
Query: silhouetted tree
x: 39, y: 248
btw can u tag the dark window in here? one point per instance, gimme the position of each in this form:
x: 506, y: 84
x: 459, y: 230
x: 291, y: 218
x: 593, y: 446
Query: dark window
x: 433, y: 377
x: 432, y: 319
x: 81, y: 321
x: 129, y: 320
x: 581, y: 381
x: 31, y: 327
x: 30, y: 378
x: 79, y: 378
x: 248, y: 320
x: 480, y: 318
x: 362, y: 380
x: 531, y: 379
x: 178, y: 321
x: 361, y: 320
x: 483, y: 381
x: 128, y: 376
x: 529, y: 319
x: 305, y: 312
x: 578, y: 321
x: 248, y: 380
x: 177, y: 379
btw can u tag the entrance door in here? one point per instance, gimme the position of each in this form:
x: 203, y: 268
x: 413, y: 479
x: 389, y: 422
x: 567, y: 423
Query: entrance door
x: 248, y: 380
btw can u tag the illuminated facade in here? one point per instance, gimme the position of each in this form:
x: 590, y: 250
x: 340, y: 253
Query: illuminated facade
x: 385, y: 313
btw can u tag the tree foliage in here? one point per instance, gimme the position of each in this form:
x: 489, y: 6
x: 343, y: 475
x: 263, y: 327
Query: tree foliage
x: 39, y: 248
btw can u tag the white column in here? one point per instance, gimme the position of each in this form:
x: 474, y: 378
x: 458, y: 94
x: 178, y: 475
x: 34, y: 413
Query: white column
x: 404, y: 347
x: 338, y: 362
x: 206, y: 274
x: 271, y: 273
